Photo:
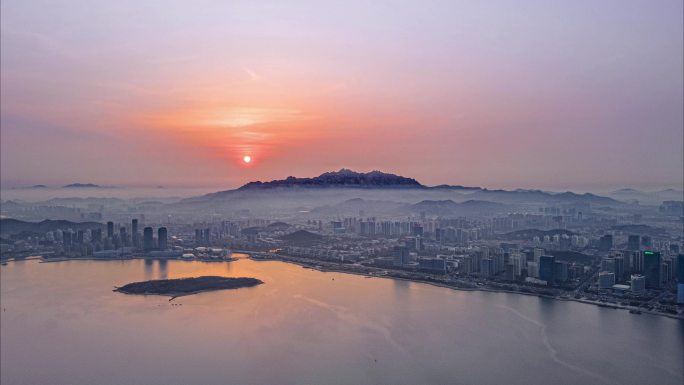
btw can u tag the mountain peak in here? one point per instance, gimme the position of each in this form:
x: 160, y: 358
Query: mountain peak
x: 344, y: 178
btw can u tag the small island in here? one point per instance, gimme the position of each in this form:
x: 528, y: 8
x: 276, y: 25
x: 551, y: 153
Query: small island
x: 186, y: 286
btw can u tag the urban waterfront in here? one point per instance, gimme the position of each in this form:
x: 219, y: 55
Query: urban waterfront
x: 62, y: 323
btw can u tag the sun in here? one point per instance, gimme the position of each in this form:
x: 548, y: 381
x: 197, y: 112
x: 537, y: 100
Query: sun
x: 247, y: 159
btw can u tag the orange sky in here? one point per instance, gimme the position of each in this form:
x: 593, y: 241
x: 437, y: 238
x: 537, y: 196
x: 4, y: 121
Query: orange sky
x: 520, y: 95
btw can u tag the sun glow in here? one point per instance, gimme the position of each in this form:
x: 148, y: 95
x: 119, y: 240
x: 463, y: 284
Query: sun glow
x: 247, y: 159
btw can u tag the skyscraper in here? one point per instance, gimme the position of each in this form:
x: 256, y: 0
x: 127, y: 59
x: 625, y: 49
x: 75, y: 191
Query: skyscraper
x: 135, y: 237
x: 122, y: 236
x: 606, y: 280
x: 606, y: 242
x: 401, y: 255
x: 148, y: 239
x: 619, y: 266
x: 110, y: 229
x: 486, y: 267
x: 633, y: 242
x: 560, y: 272
x: 652, y: 266
x: 637, y: 283
x: 66, y: 238
x: 547, y: 265
x: 96, y: 235
x: 680, y: 279
x: 162, y: 238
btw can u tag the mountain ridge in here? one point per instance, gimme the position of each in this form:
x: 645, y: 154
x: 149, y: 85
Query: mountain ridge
x: 349, y: 180
x: 344, y: 178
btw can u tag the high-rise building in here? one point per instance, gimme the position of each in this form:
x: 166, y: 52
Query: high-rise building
x: 135, y: 237
x: 486, y: 267
x: 110, y: 229
x: 162, y: 238
x: 532, y: 269
x: 538, y: 252
x: 122, y: 236
x: 547, y: 265
x: 95, y: 235
x: 680, y: 279
x: 646, y: 242
x: 66, y: 238
x: 633, y: 242
x: 467, y: 266
x: 560, y: 271
x: 606, y: 242
x: 606, y: 280
x: 637, y: 261
x: 667, y: 270
x: 652, y: 268
x: 637, y: 283
x: 401, y: 255
x: 148, y: 239
x: 619, y: 268
x: 608, y: 264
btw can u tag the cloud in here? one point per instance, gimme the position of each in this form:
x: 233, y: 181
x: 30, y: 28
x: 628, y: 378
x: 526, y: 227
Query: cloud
x: 252, y: 74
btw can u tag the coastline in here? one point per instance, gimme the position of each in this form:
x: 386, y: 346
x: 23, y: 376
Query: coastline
x: 313, y: 266
x: 179, y: 287
x: 483, y: 289
x: 173, y: 295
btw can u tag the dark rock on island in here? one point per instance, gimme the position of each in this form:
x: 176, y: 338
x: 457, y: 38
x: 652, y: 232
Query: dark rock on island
x: 187, y: 286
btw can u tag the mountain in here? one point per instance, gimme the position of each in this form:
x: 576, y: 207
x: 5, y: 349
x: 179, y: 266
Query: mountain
x: 647, y: 197
x: 15, y: 226
x: 536, y: 196
x: 340, y: 179
x: 375, y: 193
x: 455, y: 187
x: 302, y: 237
x: 81, y: 185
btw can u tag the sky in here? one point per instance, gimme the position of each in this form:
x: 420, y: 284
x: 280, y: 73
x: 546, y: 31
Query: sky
x: 533, y: 94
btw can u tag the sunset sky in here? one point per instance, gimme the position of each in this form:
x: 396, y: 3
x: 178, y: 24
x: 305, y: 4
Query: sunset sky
x: 544, y: 94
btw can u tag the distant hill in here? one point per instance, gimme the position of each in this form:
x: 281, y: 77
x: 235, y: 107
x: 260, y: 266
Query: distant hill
x: 455, y: 187
x: 302, y: 237
x: 278, y: 226
x: 373, y: 186
x: 15, y: 226
x: 647, y: 197
x: 81, y: 185
x: 340, y: 179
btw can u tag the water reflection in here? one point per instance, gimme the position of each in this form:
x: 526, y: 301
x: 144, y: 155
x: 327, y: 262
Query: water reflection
x: 308, y: 329
x: 163, y: 269
x: 149, y: 269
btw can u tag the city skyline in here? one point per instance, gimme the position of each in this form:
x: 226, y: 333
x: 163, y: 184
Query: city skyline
x: 581, y: 96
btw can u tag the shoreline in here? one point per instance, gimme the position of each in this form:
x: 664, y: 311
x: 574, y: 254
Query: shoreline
x: 180, y: 287
x: 173, y: 295
x: 482, y: 289
x: 342, y: 271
